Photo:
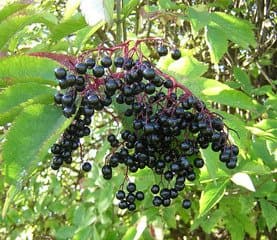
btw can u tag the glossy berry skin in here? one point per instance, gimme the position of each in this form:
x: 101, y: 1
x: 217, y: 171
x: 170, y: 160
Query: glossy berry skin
x: 198, y: 162
x: 60, y: 73
x: 98, y: 71
x: 120, y: 195
x: 131, y: 187
x: 149, y: 73
x: 162, y: 50
x: 106, y: 61
x: 81, y: 68
x: 168, y: 83
x: 176, y: 54
x: 58, y: 98
x: 157, y: 201
x: 155, y: 189
x: 118, y: 62
x: 139, y: 195
x: 90, y: 62
x: 86, y: 166
x: 186, y: 204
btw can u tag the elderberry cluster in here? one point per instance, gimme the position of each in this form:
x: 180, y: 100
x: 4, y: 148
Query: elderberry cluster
x: 168, y: 126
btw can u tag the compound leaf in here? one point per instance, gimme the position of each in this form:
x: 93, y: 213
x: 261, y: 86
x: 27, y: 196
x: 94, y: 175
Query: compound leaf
x: 210, y: 196
x: 29, y: 138
x: 20, y: 69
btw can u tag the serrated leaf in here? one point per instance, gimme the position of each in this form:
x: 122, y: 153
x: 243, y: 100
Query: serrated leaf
x: 14, y: 24
x: 199, y: 17
x: 237, y: 30
x: 242, y: 77
x: 243, y: 179
x: 67, y: 27
x: 269, y: 213
x: 129, y: 7
x: 210, y: 196
x: 235, y: 228
x: 14, y: 98
x: 11, y: 8
x: 188, y: 67
x: 29, y: 138
x: 20, y: 69
x: 212, y: 90
x: 217, y: 42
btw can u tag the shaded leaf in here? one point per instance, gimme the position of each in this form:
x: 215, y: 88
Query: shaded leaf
x: 22, y: 150
x: 269, y: 213
x: 210, y: 196
x: 20, y: 69
x: 242, y: 77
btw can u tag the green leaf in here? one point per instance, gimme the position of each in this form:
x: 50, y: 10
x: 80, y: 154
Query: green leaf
x: 130, y: 234
x: 237, y: 30
x: 211, y: 162
x: 188, y: 67
x: 129, y: 7
x: 16, y: 97
x: 215, y: 91
x: 210, y: 196
x: 235, y: 228
x: 217, y: 42
x: 10, y: 26
x: 11, y: 8
x: 199, y: 17
x: 29, y: 138
x: 20, y: 69
x: 65, y: 232
x: 70, y: 8
x: 67, y: 27
x: 242, y: 77
x: 165, y: 4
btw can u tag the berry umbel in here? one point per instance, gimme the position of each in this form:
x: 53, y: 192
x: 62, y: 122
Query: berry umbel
x: 169, y: 125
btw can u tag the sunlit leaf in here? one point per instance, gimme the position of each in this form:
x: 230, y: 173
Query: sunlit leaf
x: 243, y: 179
x: 210, y: 196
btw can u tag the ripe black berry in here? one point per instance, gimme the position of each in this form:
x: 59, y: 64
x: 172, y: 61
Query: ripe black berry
x: 81, y: 68
x: 186, y: 203
x: 120, y: 195
x: 98, y: 71
x: 90, y: 62
x: 162, y: 50
x: 139, y: 195
x: 131, y: 187
x: 155, y: 189
x: 176, y: 54
x: 198, y: 162
x: 86, y: 166
x: 106, y: 61
x: 60, y: 73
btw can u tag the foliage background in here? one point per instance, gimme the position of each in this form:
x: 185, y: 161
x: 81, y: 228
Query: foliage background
x: 229, y: 60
